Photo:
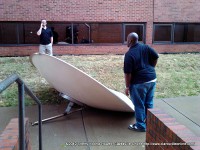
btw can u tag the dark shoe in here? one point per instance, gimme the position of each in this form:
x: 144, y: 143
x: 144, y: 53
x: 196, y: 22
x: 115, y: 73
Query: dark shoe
x: 135, y: 128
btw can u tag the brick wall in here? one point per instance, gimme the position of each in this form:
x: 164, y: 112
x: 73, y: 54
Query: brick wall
x: 9, y: 137
x: 176, y: 48
x: 101, y: 10
x: 93, y: 49
x: 112, y: 11
x: 176, y: 11
x: 164, y: 129
x: 77, y: 10
x: 65, y: 50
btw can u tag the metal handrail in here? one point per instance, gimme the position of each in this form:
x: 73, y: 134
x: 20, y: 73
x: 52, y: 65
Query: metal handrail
x: 21, y: 87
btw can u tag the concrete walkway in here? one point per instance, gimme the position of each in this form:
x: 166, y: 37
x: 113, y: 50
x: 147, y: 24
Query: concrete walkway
x: 93, y: 129
x: 184, y: 109
x: 89, y: 129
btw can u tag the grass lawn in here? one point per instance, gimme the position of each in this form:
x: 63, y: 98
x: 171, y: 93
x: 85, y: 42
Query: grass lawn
x: 178, y: 75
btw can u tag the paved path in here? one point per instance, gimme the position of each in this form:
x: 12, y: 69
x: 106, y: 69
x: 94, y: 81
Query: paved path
x: 186, y: 110
x: 103, y: 130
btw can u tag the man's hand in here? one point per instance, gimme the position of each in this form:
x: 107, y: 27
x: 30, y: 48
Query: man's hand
x: 41, y: 26
x: 127, y: 91
x: 127, y: 83
x: 40, y: 30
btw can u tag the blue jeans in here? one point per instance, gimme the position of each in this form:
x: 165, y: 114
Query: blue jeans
x: 142, y: 97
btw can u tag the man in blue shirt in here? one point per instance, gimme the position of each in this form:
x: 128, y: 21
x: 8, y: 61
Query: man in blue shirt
x: 46, y: 39
x: 140, y: 78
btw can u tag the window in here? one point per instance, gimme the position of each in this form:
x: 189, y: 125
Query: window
x: 63, y: 32
x: 137, y: 28
x: 176, y: 33
x: 187, y: 33
x: 83, y: 33
x: 9, y: 33
x: 69, y: 33
x: 106, y: 33
x: 163, y: 33
x: 29, y: 32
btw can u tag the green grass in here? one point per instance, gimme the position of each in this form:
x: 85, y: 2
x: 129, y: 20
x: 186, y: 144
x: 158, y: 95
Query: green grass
x: 178, y: 75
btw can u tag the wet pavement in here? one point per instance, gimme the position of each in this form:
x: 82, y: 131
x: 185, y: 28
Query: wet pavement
x: 94, y: 129
x: 88, y: 129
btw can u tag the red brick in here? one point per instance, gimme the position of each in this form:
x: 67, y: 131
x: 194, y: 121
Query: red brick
x: 9, y: 137
x: 170, y: 11
x: 162, y: 131
x: 146, y: 11
x: 93, y: 49
x: 69, y: 10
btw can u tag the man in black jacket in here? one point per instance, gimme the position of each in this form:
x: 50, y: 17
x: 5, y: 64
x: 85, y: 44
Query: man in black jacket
x: 46, y: 38
x: 140, y: 78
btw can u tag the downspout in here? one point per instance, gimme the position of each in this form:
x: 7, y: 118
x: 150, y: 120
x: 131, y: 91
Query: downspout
x: 89, y: 32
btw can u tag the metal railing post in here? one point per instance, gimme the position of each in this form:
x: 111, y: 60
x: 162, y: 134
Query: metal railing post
x: 28, y: 91
x: 21, y: 88
x: 21, y: 116
x: 40, y: 127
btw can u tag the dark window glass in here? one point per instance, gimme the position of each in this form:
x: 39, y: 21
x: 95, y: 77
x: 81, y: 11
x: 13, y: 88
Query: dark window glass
x: 8, y: 33
x: 78, y: 33
x: 162, y: 33
x: 187, y: 33
x: 20, y: 33
x: 134, y: 28
x: 68, y: 33
x: 62, y: 32
x: 106, y: 33
x: 30, y: 33
x: 83, y: 33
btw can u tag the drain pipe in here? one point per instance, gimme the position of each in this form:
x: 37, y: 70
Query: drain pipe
x: 89, y: 31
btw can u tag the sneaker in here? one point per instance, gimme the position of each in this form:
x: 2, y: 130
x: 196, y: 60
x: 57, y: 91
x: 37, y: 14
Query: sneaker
x: 135, y: 128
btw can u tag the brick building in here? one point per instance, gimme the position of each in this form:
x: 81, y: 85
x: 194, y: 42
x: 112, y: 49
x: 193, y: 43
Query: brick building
x: 100, y: 26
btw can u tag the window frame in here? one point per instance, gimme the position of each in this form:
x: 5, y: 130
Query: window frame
x: 123, y: 25
x: 172, y: 33
x: 182, y: 23
x: 163, y: 42
x: 124, y: 40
